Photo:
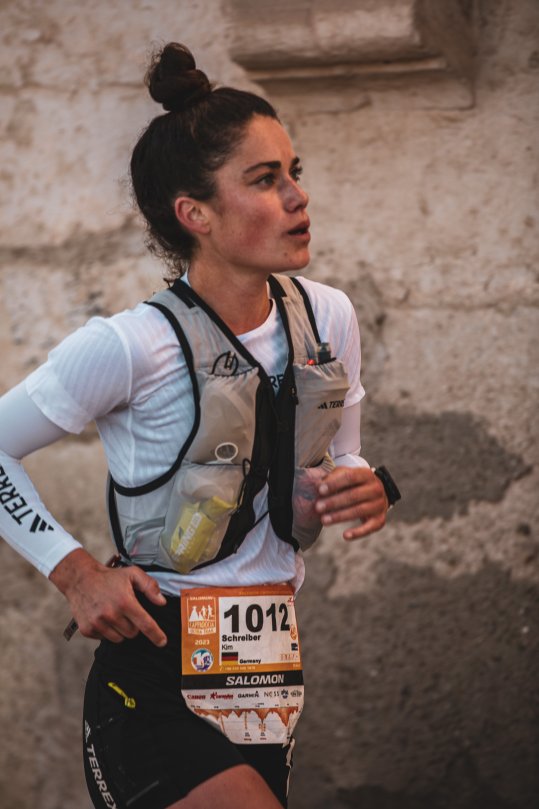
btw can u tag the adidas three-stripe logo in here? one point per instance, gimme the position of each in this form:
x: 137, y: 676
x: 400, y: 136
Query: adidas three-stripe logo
x: 39, y: 524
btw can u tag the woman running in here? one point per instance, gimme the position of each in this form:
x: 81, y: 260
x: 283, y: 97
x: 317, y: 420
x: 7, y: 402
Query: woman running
x: 228, y: 407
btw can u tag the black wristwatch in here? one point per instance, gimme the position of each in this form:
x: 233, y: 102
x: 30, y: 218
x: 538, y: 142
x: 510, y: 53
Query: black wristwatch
x: 390, y: 487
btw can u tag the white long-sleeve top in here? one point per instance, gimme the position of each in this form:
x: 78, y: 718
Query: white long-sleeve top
x: 127, y: 373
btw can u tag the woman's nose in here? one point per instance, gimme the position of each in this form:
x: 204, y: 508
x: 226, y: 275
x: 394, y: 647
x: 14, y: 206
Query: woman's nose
x: 296, y: 196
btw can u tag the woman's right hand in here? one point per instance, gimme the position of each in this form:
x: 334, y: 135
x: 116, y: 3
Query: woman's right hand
x: 103, y: 599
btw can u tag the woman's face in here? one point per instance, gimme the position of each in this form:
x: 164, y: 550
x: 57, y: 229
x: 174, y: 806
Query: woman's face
x: 257, y: 219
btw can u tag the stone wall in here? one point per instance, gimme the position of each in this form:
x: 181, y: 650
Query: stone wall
x: 419, y: 141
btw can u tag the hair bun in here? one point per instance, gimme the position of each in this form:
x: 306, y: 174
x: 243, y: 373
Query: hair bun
x: 173, y: 79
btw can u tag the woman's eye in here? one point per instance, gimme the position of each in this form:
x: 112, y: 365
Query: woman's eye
x: 267, y: 179
x: 270, y: 179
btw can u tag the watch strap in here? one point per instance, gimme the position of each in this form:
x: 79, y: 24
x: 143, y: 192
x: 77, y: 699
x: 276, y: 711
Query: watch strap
x: 390, y: 487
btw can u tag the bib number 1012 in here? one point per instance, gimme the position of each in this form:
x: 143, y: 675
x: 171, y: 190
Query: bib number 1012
x: 255, y: 617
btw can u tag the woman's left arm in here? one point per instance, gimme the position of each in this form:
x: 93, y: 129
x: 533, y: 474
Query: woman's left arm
x: 352, y: 492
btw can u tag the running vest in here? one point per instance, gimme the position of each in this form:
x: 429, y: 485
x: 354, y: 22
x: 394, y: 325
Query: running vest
x: 244, y: 436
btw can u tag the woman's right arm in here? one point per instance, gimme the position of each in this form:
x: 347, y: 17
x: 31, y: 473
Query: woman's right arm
x: 102, y: 600
x: 24, y: 521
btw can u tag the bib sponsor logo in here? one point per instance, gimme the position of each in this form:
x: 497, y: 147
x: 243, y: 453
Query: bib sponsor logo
x: 255, y: 679
x: 202, y: 617
x: 202, y: 660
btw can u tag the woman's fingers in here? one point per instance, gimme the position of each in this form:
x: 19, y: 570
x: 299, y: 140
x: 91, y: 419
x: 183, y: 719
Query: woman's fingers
x: 367, y: 527
x: 140, y: 618
x: 349, y: 494
x: 358, y: 511
x: 120, y: 615
x: 147, y: 586
x: 103, y: 599
x: 104, y: 631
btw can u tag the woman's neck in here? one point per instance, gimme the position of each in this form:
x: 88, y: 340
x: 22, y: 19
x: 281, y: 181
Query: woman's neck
x: 240, y: 299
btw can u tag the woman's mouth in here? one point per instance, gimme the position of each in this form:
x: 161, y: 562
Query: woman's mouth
x: 301, y: 231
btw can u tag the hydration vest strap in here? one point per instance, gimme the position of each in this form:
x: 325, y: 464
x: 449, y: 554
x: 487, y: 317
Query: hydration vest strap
x: 290, y: 295
x: 308, y: 308
x: 188, y: 354
x: 279, y: 294
x: 244, y: 519
x: 188, y: 295
x: 281, y: 471
x: 114, y: 519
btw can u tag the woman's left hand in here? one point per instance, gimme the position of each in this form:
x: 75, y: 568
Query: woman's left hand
x: 352, y: 493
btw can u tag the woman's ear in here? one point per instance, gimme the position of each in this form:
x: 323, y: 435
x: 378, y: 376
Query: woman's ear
x: 190, y: 214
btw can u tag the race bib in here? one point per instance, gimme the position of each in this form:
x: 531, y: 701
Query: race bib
x: 241, y: 662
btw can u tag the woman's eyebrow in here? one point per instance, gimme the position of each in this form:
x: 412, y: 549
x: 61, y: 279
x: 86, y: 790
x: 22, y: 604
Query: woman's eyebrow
x: 271, y: 164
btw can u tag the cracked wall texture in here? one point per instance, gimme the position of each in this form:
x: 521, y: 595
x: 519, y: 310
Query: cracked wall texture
x: 421, y: 643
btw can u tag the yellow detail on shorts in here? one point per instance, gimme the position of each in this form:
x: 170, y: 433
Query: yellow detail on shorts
x: 129, y: 702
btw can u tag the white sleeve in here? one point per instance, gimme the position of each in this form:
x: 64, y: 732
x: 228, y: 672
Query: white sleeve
x: 350, y: 351
x: 346, y: 446
x: 86, y: 376
x: 337, y: 321
x: 25, y: 523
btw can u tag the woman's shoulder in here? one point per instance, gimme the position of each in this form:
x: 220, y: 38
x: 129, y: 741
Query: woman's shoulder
x: 326, y: 299
x: 131, y: 335
x: 133, y: 320
x: 142, y: 330
x: 335, y: 317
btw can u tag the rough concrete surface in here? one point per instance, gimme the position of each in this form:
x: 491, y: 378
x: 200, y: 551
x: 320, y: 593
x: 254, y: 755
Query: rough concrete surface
x: 421, y: 643
x: 416, y: 700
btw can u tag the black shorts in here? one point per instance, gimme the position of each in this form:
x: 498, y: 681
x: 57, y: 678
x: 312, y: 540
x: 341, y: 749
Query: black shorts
x: 143, y: 748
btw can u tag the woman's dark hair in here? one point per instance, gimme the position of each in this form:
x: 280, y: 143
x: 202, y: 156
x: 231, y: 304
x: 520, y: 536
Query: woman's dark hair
x: 179, y: 152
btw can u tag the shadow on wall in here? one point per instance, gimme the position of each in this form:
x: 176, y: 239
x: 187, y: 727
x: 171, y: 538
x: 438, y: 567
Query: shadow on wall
x: 447, y: 460
x: 423, y: 694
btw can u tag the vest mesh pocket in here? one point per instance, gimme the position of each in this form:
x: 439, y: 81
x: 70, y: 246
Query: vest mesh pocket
x: 141, y: 539
x: 321, y: 391
x: 306, y: 526
x: 227, y: 404
x: 203, y: 498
